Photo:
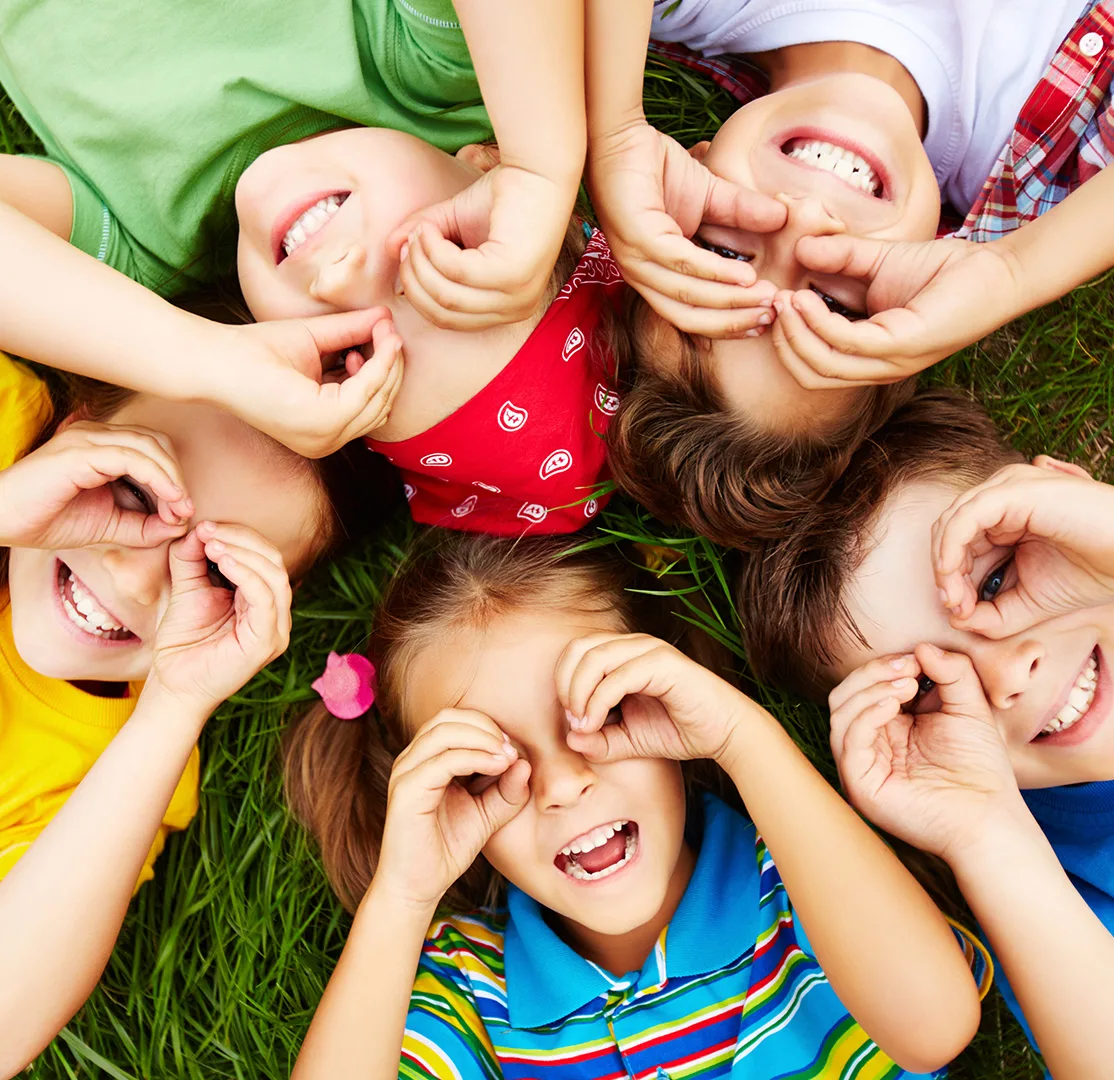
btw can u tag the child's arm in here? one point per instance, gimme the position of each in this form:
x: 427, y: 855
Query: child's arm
x: 512, y: 221
x: 932, y: 299
x: 59, y: 306
x: 62, y: 904
x: 651, y: 195
x: 39, y: 190
x: 887, y: 951
x: 434, y: 831
x: 942, y: 781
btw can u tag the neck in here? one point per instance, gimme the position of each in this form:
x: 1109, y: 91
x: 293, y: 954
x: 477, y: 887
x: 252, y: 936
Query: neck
x: 620, y: 953
x: 101, y: 689
x: 801, y: 63
x: 444, y: 368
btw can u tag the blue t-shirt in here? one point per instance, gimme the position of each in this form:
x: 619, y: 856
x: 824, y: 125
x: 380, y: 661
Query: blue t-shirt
x: 1079, y: 823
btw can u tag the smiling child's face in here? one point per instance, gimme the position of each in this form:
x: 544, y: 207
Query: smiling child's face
x: 844, y: 153
x: 315, y: 215
x: 507, y: 673
x: 90, y: 614
x: 1030, y: 679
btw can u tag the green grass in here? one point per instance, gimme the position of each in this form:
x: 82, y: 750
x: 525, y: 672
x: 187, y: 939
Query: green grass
x: 223, y: 958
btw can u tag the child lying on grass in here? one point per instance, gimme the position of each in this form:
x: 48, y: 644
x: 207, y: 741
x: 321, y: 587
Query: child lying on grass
x: 143, y: 580
x: 496, y: 428
x: 876, y: 111
x: 526, y: 734
x: 965, y: 601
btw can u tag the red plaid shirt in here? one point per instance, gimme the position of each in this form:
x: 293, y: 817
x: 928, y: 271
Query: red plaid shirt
x: 1063, y: 136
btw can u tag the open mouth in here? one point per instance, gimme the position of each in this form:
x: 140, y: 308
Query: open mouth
x: 1081, y: 697
x: 843, y: 162
x: 86, y: 611
x: 600, y: 852
x: 292, y: 234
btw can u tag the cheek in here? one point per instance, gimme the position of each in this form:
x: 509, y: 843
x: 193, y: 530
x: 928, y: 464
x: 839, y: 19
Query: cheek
x: 512, y: 848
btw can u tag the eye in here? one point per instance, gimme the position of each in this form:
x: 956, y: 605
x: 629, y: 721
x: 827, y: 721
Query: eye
x: 477, y: 783
x: 834, y: 306
x: 131, y: 496
x: 216, y: 578
x: 723, y: 252
x: 994, y: 581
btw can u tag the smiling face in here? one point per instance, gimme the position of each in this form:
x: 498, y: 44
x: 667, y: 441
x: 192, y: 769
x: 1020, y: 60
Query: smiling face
x: 600, y: 845
x: 90, y: 614
x: 314, y: 217
x: 844, y: 154
x: 1050, y: 687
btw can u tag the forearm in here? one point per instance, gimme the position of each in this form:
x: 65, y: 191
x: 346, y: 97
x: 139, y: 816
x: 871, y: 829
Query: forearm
x: 886, y: 949
x: 530, y: 62
x: 62, y: 904
x: 616, y: 35
x: 1058, y: 956
x: 358, y: 1027
x: 59, y: 306
x: 1066, y: 247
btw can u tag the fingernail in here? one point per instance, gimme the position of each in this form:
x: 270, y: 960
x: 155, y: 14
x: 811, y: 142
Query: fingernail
x: 935, y: 650
x: 764, y: 320
x: 902, y: 684
x: 404, y: 251
x: 509, y: 752
x: 944, y: 598
x: 575, y: 722
x: 899, y: 663
x: 229, y: 561
x: 767, y: 302
x: 398, y: 285
x: 216, y: 547
x: 779, y: 306
x: 756, y: 332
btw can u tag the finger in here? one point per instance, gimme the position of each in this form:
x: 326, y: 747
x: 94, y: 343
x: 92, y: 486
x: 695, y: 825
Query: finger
x: 611, y: 743
x: 259, y: 621
x: 569, y: 660
x: 243, y: 537
x: 275, y: 577
x: 705, y: 322
x: 344, y: 330
x: 446, y: 285
x: 102, y: 464
x: 595, y: 663
x: 660, y: 243
x: 427, y: 781
x: 856, y: 754
x: 377, y: 408
x: 449, y: 735
x: 883, y: 669
x: 427, y: 306
x: 805, y: 356
x: 134, y: 529
x: 956, y: 682
x: 901, y: 690
x: 470, y: 718
x: 502, y: 801
x: 637, y: 674
x: 693, y: 291
x: 843, y: 254
x: 740, y: 207
x: 1051, y: 464
x: 441, y: 217
x: 867, y: 339
x: 188, y: 567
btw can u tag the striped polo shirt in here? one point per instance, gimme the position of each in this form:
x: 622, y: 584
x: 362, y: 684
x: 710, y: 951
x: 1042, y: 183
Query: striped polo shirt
x: 731, y: 988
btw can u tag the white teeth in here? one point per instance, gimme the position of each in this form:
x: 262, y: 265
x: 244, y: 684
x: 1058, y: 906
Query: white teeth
x: 83, y: 611
x: 311, y: 221
x: 575, y: 870
x: 1079, y: 699
x: 843, y: 163
x: 594, y: 839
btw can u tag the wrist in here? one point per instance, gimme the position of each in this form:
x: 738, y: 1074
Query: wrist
x: 1006, y: 827
x: 406, y: 912
x: 172, y: 709
x: 744, y: 721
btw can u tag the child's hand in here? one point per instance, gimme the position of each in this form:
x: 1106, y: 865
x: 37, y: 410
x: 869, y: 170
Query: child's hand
x: 932, y: 778
x: 82, y: 488
x: 929, y: 300
x: 486, y: 256
x: 216, y: 634
x: 651, y: 196
x: 1059, y: 523
x: 456, y: 784
x: 279, y: 383
x: 671, y: 706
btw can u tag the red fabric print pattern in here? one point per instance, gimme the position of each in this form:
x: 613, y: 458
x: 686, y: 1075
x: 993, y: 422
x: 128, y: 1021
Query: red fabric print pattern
x: 528, y: 451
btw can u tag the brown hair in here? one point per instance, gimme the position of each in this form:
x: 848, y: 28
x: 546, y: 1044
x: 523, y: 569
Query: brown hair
x: 359, y: 489
x: 678, y: 448
x: 791, y: 589
x: 337, y: 772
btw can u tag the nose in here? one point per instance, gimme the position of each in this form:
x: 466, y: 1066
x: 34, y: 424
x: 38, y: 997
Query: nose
x: 1007, y: 668
x: 806, y: 216
x: 347, y: 280
x: 139, y: 575
x: 561, y: 779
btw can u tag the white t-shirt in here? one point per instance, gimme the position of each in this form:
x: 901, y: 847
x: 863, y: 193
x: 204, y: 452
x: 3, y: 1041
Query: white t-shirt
x: 975, y: 61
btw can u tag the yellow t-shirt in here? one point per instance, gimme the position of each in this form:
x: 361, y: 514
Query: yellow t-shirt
x: 51, y: 732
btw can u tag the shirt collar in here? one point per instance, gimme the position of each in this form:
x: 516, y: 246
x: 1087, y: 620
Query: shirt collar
x: 548, y: 980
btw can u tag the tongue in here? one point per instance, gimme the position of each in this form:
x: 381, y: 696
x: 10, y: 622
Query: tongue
x: 602, y: 857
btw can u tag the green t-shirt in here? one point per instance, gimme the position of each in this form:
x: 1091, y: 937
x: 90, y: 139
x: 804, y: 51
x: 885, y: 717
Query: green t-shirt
x: 154, y: 108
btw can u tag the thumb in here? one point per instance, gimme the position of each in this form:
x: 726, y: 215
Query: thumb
x: 734, y: 206
x: 852, y: 256
x: 956, y: 682
x: 187, y: 562
x: 345, y: 330
x: 502, y: 801
x: 610, y: 743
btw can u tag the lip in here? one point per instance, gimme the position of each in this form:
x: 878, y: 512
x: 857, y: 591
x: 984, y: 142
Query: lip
x: 79, y: 635
x: 845, y: 143
x: 291, y: 214
x: 1091, y: 720
x: 610, y: 877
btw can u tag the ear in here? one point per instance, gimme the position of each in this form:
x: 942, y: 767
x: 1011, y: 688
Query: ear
x: 700, y: 150
x: 482, y: 156
x: 1043, y: 461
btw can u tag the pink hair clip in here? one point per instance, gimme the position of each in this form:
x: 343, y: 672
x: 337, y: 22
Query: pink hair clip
x: 347, y: 685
